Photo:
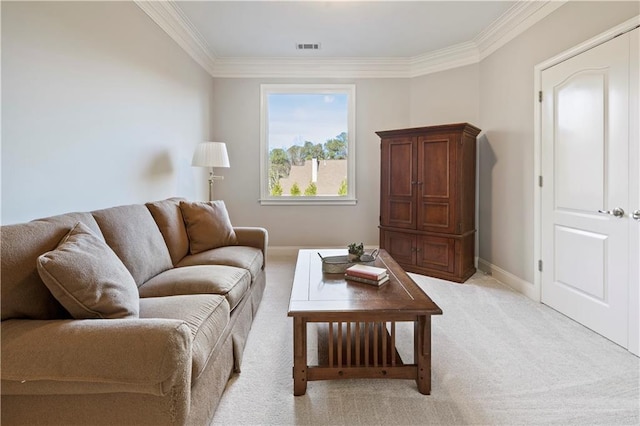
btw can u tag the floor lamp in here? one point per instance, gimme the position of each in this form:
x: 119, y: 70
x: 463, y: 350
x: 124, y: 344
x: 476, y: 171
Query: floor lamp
x: 210, y: 155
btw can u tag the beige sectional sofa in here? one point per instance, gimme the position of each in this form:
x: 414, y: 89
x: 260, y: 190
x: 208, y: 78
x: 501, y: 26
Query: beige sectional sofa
x: 165, y: 358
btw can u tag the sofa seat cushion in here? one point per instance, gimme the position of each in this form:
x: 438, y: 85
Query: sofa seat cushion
x: 249, y: 258
x: 227, y: 281
x: 207, y: 316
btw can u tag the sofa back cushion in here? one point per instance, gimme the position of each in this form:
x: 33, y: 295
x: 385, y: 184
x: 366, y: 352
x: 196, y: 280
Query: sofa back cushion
x: 168, y: 216
x: 208, y: 225
x: 133, y: 235
x: 87, y: 277
x: 24, y: 295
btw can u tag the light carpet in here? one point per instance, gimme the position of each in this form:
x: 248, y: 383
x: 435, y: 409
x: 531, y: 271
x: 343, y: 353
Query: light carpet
x: 498, y: 358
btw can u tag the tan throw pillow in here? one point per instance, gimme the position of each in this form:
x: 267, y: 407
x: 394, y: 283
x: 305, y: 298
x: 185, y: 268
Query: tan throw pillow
x: 87, y: 277
x: 208, y: 225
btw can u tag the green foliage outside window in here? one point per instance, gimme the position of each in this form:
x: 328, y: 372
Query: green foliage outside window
x: 295, y: 190
x: 311, y: 190
x: 336, y: 148
x: 294, y: 153
x: 342, y: 190
x: 279, y: 165
x: 309, y: 151
x: 276, y: 189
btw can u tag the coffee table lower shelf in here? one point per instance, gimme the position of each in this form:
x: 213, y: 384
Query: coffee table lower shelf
x: 363, y: 349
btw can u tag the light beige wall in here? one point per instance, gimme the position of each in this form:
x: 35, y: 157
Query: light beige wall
x: 506, y: 118
x: 449, y: 96
x: 381, y: 104
x: 99, y: 107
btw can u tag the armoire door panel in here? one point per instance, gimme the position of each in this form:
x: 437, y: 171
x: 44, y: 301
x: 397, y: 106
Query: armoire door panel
x: 398, y: 189
x: 434, y: 175
x: 436, y: 190
x: 400, y: 214
x: 400, y: 246
x: 436, y: 253
x: 401, y: 164
x: 435, y: 215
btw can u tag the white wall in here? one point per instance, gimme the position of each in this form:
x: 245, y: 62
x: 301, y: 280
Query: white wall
x: 381, y: 104
x: 506, y: 118
x: 449, y: 96
x: 99, y: 108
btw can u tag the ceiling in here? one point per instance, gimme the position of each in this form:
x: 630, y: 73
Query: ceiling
x: 361, y: 29
x: 357, y: 38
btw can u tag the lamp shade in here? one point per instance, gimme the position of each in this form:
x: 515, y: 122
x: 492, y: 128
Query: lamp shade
x: 211, y: 154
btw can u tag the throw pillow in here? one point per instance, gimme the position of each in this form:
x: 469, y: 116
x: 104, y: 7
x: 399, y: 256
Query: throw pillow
x: 87, y: 277
x: 208, y: 225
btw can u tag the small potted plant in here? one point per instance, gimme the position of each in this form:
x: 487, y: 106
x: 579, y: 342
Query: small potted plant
x: 355, y: 251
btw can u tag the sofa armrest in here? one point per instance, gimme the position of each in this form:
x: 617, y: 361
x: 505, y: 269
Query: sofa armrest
x: 149, y: 356
x: 253, y: 236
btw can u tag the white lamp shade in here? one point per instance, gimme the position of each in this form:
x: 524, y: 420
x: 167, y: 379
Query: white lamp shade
x: 211, y: 154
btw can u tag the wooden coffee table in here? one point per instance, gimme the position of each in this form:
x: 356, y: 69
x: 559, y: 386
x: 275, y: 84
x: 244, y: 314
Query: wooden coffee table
x: 359, y: 322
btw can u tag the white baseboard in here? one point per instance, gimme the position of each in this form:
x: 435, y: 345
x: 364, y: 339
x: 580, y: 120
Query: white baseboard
x: 280, y: 251
x: 510, y: 280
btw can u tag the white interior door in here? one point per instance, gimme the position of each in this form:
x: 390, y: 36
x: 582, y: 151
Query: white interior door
x: 585, y: 197
x: 634, y: 193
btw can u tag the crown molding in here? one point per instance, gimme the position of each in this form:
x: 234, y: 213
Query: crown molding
x: 168, y: 16
x: 312, y: 68
x: 517, y: 19
x: 512, y: 23
x: 443, y: 59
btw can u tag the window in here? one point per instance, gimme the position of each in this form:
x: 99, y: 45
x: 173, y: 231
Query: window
x: 307, y: 144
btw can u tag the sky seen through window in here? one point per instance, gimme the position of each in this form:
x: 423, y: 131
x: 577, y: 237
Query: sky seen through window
x: 295, y: 118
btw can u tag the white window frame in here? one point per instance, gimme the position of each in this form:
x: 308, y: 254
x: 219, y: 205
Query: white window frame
x: 265, y: 196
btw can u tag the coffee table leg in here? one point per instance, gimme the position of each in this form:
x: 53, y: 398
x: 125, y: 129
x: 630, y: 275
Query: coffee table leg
x: 299, y: 356
x: 422, y: 341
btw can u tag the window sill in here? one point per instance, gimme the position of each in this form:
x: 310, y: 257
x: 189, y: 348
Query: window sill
x: 302, y: 201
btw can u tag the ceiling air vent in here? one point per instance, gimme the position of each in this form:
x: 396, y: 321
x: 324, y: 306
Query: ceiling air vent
x: 308, y: 46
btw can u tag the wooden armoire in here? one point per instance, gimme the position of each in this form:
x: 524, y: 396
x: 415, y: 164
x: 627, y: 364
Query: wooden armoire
x: 427, y: 199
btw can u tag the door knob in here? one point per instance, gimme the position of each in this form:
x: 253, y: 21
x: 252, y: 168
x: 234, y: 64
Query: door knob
x: 636, y: 214
x: 617, y: 212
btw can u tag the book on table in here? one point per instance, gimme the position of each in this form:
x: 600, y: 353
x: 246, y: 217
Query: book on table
x: 376, y: 283
x: 365, y: 271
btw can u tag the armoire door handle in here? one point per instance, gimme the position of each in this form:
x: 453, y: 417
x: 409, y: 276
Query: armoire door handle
x: 636, y: 214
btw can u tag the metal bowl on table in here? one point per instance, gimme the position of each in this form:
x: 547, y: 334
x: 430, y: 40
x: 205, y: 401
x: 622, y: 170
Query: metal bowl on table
x: 339, y: 264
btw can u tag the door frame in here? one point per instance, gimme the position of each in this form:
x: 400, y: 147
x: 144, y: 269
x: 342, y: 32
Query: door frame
x: 536, y: 291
